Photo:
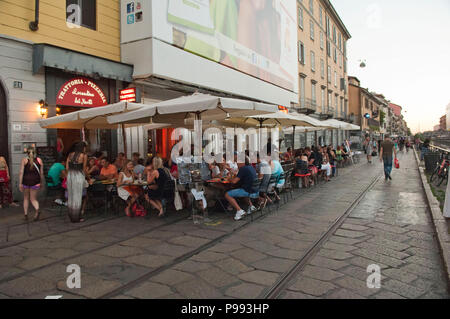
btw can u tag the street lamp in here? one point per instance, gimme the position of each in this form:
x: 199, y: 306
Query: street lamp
x: 43, y: 108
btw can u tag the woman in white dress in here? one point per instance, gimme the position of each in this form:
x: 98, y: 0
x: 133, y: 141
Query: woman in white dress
x: 125, y: 188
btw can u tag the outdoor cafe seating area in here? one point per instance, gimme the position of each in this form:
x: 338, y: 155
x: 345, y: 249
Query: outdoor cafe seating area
x: 199, y: 188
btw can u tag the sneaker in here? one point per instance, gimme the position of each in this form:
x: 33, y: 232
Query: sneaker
x: 251, y: 210
x: 59, y: 201
x: 239, y: 215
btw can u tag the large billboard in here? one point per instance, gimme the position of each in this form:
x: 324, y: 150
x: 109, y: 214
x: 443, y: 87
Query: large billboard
x: 257, y: 37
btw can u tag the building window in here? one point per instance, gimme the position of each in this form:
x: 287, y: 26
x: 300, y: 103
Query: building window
x: 330, y: 99
x: 345, y: 48
x: 336, y: 104
x: 313, y: 92
x: 300, y: 18
x: 340, y: 42
x: 311, y: 6
x: 311, y: 29
x: 321, y: 40
x: 329, y: 74
x: 313, y: 61
x: 342, y: 106
x: 320, y: 16
x: 322, y: 95
x: 328, y: 48
x: 322, y: 68
x: 340, y: 60
x: 328, y: 25
x: 301, y: 52
x: 302, y: 92
x: 335, y: 78
x: 335, y: 55
x: 88, y: 12
x: 334, y: 34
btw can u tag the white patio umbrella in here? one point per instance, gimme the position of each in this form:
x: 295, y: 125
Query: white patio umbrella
x: 184, y: 110
x: 92, y: 118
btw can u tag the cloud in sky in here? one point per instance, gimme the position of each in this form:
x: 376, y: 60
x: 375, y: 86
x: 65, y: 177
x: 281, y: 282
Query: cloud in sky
x: 406, y: 45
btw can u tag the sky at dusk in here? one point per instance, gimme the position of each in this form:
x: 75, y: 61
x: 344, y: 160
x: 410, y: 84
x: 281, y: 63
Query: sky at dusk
x: 406, y: 46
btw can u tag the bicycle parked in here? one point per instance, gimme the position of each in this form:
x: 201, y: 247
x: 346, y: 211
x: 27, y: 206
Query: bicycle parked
x: 440, y: 173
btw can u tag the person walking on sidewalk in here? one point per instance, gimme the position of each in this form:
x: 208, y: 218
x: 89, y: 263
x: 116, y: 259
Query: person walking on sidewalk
x: 386, y: 151
x: 30, y: 177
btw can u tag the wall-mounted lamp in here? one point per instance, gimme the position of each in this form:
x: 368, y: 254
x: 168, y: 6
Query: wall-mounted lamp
x: 58, y: 110
x: 43, y: 108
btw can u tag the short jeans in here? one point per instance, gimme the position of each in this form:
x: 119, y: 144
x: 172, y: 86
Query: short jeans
x: 240, y: 193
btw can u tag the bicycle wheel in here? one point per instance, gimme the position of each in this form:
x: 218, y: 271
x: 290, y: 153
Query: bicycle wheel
x: 442, y: 177
x: 435, y: 174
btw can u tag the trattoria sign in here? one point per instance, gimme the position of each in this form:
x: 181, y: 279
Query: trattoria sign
x: 81, y: 92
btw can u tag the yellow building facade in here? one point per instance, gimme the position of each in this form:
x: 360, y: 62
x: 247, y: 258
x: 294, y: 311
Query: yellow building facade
x: 101, y: 38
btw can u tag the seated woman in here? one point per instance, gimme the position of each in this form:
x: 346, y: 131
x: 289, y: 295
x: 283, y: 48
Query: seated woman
x: 156, y: 179
x: 326, y: 166
x: 5, y: 187
x: 301, y: 168
x: 125, y: 189
x: 92, y: 168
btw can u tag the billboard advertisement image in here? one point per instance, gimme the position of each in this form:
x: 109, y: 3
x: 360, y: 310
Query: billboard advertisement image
x: 257, y: 37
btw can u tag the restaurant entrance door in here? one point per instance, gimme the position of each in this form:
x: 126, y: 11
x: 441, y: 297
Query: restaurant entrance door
x: 4, y: 146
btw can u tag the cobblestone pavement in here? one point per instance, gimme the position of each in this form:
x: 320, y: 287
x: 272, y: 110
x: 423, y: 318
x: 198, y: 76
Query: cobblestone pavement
x: 391, y: 228
x: 173, y: 258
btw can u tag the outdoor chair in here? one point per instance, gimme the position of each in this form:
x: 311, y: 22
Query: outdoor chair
x: 53, y: 193
x: 271, y: 192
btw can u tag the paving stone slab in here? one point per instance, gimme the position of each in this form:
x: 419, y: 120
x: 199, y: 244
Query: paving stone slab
x: 384, y: 250
x: 149, y: 261
x: 328, y: 263
x: 349, y: 233
x: 91, y: 286
x: 388, y: 243
x: 208, y: 256
x: 225, y: 248
x: 341, y: 247
x: 403, y: 289
x: 169, y: 250
x: 342, y: 293
x: 120, y: 251
x: 364, y: 262
x: 379, y: 258
x: 400, y: 275
x: 25, y: 286
x: 141, y: 242
x: 294, y: 245
x: 355, y: 285
x: 192, y: 266
x: 34, y: 262
x: 245, y: 291
x: 189, y: 241
x: 320, y: 273
x: 356, y: 272
x: 295, y: 295
x: 248, y: 255
x: 344, y: 240
x: 401, y: 238
x: 286, y: 253
x: 387, y: 295
x: 426, y: 262
x: 149, y: 290
x: 197, y: 289
x: 311, y: 286
x: 421, y: 235
x: 260, y: 277
x: 217, y: 277
x: 334, y: 254
x: 232, y: 266
x: 349, y: 226
x: 172, y: 277
x: 274, y: 264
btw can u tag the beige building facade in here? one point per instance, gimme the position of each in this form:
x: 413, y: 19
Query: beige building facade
x: 322, y: 66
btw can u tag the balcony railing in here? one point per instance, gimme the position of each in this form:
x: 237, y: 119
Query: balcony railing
x: 327, y: 112
x: 307, y: 106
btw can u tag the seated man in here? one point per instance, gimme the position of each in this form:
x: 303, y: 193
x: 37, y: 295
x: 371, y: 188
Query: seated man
x: 108, y: 170
x: 57, y: 173
x: 244, y: 180
x: 139, y: 168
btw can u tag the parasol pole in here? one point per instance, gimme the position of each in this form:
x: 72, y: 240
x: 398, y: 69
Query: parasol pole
x: 293, y: 138
x: 124, y: 139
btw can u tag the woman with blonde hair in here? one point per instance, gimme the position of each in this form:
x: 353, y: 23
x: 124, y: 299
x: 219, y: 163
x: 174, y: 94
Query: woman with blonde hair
x: 125, y: 189
x: 5, y: 187
x: 156, y: 178
x: 30, y: 177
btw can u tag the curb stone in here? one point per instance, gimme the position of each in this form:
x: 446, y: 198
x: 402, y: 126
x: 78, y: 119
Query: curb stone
x: 439, y: 221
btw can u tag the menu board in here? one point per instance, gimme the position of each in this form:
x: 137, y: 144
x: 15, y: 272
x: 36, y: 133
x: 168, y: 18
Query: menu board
x: 48, y: 156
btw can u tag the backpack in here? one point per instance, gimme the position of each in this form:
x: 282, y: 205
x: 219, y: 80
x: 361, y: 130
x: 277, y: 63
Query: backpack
x: 138, y: 210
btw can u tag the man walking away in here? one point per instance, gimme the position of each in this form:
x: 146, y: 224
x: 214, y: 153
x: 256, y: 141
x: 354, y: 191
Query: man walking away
x: 387, y: 148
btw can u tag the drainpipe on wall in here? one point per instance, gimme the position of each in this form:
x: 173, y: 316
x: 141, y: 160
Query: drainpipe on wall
x: 34, y: 25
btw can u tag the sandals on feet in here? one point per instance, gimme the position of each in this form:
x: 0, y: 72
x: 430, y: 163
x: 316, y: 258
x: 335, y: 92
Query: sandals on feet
x: 36, y: 217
